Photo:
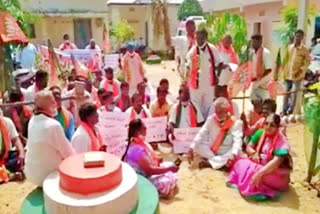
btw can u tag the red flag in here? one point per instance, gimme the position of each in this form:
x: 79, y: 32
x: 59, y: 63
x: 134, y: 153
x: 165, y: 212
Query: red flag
x: 81, y: 69
x: 53, y: 65
x: 10, y: 30
x: 274, y: 87
x: 241, y: 79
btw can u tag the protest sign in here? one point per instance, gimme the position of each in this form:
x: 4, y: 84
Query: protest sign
x: 183, y: 139
x: 112, y: 60
x: 156, y: 129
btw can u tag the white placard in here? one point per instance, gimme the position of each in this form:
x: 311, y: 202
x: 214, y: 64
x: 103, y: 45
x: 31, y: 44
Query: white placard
x: 156, y: 129
x: 113, y: 127
x: 183, y: 139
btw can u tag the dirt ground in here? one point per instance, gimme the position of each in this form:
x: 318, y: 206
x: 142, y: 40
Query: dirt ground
x: 204, y: 191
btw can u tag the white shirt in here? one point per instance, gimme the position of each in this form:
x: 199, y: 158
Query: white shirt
x: 96, y: 48
x: 231, y: 145
x: 205, y: 64
x: 140, y: 115
x: 103, y: 109
x: 235, y: 109
x: 30, y: 93
x: 185, y: 118
x: 47, y: 147
x: 267, y: 60
x: 81, y: 141
x: 11, y: 129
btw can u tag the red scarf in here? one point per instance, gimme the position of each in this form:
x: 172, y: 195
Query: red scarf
x: 231, y: 53
x: 231, y: 107
x: 148, y: 149
x: 223, y: 129
x: 115, y: 88
x: 271, y: 148
x: 192, y: 42
x: 194, y: 75
x: 5, y: 141
x: 95, y: 137
x: 192, y: 115
x: 133, y: 114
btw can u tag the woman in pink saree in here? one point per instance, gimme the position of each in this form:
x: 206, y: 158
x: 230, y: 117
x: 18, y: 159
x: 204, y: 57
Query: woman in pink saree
x: 266, y: 170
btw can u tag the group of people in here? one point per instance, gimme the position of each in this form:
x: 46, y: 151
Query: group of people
x: 251, y: 147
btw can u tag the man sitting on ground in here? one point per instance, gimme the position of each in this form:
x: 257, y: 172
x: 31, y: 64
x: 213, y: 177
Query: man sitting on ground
x: 137, y: 110
x: 124, y: 102
x: 160, y: 106
x: 108, y: 103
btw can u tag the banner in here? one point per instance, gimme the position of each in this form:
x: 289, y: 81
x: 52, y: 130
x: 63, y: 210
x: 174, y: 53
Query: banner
x: 113, y: 127
x: 89, y: 58
x: 156, y: 129
x: 112, y: 60
x: 183, y: 139
x: 63, y: 58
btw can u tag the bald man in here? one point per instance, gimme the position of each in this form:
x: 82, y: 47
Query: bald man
x: 47, y: 145
x: 220, y: 139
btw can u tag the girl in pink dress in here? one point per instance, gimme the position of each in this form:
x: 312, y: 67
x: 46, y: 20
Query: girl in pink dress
x: 266, y: 170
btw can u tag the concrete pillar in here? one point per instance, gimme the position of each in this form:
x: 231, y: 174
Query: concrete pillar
x: 303, y: 15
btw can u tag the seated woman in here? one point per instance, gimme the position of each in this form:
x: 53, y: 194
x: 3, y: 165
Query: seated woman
x: 144, y: 160
x: 266, y: 171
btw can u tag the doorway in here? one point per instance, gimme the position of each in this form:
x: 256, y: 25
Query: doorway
x: 82, y: 32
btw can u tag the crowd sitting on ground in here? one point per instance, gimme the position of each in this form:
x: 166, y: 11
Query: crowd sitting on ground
x: 251, y: 147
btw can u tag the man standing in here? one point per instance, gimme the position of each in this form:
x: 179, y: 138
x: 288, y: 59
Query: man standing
x: 183, y: 44
x: 110, y: 84
x: 41, y: 82
x: 204, y: 64
x: 93, y: 46
x: 132, y: 67
x: 47, y: 145
x: 296, y: 63
x: 261, y: 68
x: 220, y: 139
x: 28, y: 56
x: 67, y: 45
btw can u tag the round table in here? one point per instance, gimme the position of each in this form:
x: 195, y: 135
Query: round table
x: 148, y: 199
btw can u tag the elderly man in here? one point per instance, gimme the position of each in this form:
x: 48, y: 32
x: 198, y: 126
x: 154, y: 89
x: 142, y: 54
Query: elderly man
x: 137, y: 110
x: 220, y: 139
x: 47, y: 145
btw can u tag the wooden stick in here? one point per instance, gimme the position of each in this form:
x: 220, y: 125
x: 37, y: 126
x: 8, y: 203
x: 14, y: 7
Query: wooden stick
x: 28, y: 102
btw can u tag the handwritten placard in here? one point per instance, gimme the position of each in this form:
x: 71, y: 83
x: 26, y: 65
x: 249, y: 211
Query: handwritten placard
x: 112, y: 60
x: 183, y: 139
x: 113, y: 127
x: 156, y: 129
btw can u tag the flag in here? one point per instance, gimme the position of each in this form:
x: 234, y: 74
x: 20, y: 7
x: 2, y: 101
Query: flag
x: 241, y: 79
x: 278, y: 64
x: 106, y: 42
x: 274, y: 86
x: 10, y: 30
x: 81, y: 69
x: 54, y: 66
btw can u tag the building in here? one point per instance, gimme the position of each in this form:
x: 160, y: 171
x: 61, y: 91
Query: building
x: 81, y: 19
x: 138, y: 13
x: 262, y: 16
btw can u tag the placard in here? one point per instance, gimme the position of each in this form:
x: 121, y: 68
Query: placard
x: 156, y: 129
x: 112, y: 60
x: 90, y: 58
x: 183, y: 139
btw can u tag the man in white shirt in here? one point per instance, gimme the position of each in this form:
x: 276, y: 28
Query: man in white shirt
x: 180, y: 114
x: 108, y: 104
x: 220, y: 139
x: 137, y: 110
x: 87, y: 137
x: 262, y: 64
x: 204, y: 64
x: 93, y: 46
x: 47, y: 145
x: 110, y: 83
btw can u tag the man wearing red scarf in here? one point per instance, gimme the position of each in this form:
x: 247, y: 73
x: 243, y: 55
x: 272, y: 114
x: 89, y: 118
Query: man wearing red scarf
x: 220, y: 139
x: 110, y: 84
x: 203, y: 66
x: 137, y: 110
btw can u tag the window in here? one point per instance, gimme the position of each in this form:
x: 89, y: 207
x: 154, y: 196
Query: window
x: 257, y: 28
x: 317, y: 27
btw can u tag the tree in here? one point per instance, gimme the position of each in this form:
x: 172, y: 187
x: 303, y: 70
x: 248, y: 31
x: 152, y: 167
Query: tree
x: 189, y: 8
x: 231, y: 24
x: 122, y: 31
x: 289, y: 15
x: 160, y: 20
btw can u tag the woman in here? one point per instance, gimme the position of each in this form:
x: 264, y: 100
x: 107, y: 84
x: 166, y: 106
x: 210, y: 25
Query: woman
x: 146, y: 162
x: 266, y: 170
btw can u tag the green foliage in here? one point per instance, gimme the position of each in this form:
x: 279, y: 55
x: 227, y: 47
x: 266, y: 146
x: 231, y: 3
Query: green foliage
x: 23, y: 17
x: 312, y: 113
x: 189, y: 8
x: 289, y: 15
x: 232, y: 24
x: 122, y: 31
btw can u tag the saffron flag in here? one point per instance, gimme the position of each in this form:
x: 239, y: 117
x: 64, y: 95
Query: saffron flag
x: 241, y: 79
x: 274, y: 86
x: 53, y: 66
x: 10, y: 30
x: 81, y: 69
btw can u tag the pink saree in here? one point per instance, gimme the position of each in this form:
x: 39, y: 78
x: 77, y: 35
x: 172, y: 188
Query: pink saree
x: 244, y: 169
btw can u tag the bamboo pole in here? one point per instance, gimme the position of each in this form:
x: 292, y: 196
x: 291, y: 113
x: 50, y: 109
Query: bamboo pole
x: 313, y: 157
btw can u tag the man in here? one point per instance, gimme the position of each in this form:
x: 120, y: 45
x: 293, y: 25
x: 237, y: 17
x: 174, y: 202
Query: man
x: 10, y: 143
x: 183, y: 44
x: 204, y: 65
x: 64, y: 116
x: 220, y: 139
x: 261, y: 67
x: 160, y: 106
x: 141, y: 89
x: 28, y: 56
x: 87, y: 137
x: 295, y: 67
x: 67, y: 45
x: 185, y: 113
x: 110, y: 84
x: 47, y: 145
x: 93, y: 46
x: 97, y: 78
x: 132, y: 67
x: 228, y: 55
x: 124, y: 102
x: 137, y: 110
x: 108, y: 104
x: 41, y: 81
x: 221, y: 91
x: 80, y: 95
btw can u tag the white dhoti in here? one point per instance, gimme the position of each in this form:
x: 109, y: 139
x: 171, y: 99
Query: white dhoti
x: 203, y: 98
